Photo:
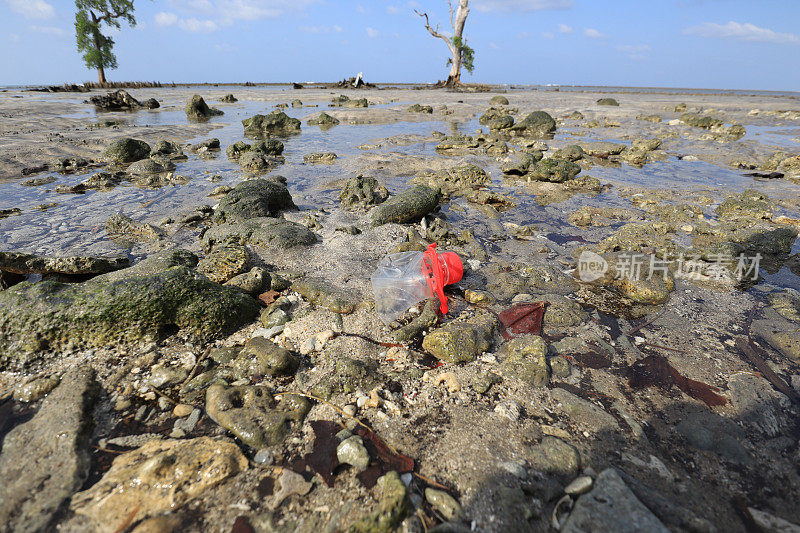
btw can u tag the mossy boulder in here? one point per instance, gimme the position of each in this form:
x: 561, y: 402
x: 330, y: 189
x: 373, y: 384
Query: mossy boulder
x: 700, y: 121
x: 571, y: 152
x: 407, y: 206
x: 268, y: 232
x: 394, y: 504
x: 554, y: 170
x: 526, y: 360
x: 455, y: 181
x: 254, y: 198
x: 361, y: 192
x: 197, y: 109
x: 461, y: 341
x: 126, y: 150
x: 275, y: 123
x: 749, y: 204
x: 225, y: 262
x: 419, y: 108
x: 323, y: 119
x: 537, y: 124
x: 608, y: 101
x: 107, y: 310
x: 520, y: 163
x: 262, y: 357
x: 499, y: 100
x: 324, y: 294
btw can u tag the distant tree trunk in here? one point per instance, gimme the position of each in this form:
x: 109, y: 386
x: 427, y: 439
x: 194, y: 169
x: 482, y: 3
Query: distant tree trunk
x: 457, y: 21
x: 101, y: 72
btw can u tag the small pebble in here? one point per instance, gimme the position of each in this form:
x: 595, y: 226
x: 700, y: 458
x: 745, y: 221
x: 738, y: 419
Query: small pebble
x: 448, y: 506
x: 264, y: 457
x: 182, y: 410
x: 579, y: 485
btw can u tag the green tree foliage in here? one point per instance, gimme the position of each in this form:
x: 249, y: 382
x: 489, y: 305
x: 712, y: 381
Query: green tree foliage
x: 96, y: 47
x: 467, y: 54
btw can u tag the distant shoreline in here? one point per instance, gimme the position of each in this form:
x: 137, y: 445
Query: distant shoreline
x: 423, y: 86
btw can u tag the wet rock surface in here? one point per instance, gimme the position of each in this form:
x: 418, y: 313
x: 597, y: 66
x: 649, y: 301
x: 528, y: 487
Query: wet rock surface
x: 45, y: 460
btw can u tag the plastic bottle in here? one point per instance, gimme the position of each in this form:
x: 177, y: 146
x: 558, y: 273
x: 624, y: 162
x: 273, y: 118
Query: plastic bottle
x: 404, y: 279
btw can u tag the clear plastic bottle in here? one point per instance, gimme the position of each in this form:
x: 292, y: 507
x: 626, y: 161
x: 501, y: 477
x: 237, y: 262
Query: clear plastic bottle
x: 404, y: 279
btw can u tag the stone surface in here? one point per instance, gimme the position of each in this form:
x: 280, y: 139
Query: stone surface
x: 253, y: 415
x: 393, y: 506
x: 254, y: 198
x: 197, y: 109
x: 261, y: 357
x: 324, y: 294
x: 55, y: 316
x: 121, y: 225
x: 461, y: 341
x: 585, y: 413
x: 160, y: 476
x: 126, y: 150
x: 525, y: 359
x: 262, y: 231
x: 537, y: 124
x: 275, y: 123
x: 554, y: 456
x: 224, y: 262
x: 46, y: 459
x: 22, y: 263
x: 611, y: 506
x: 361, y: 192
x: 407, y: 206
x: 351, y: 451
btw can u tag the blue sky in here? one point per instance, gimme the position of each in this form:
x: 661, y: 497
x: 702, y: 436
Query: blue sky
x: 732, y: 44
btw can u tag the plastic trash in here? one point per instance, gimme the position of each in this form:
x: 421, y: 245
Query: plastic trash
x: 407, y: 278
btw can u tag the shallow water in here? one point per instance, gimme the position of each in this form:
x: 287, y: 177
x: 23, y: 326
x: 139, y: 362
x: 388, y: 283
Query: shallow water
x: 75, y: 224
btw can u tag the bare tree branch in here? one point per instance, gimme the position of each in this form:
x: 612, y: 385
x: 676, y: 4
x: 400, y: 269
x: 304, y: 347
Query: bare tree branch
x: 434, y: 32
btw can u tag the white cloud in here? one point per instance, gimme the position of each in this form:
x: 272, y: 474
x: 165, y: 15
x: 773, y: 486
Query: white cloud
x: 32, y: 9
x: 321, y: 29
x: 48, y: 30
x: 14, y: 38
x: 166, y: 19
x: 197, y: 26
x: 521, y: 5
x: 635, y: 51
x: 563, y: 28
x: 227, y: 12
x: 493, y: 46
x: 360, y: 9
x: 548, y: 35
x: 392, y: 10
x: 594, y: 34
x: 742, y: 32
x: 372, y: 32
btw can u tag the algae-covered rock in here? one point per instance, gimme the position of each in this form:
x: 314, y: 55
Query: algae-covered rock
x: 455, y: 181
x: 262, y: 357
x: 526, y: 360
x: 55, y: 316
x: 257, y: 162
x: 520, y: 163
x: 315, y: 158
x: 229, y: 99
x: 254, y: 198
x: 275, y: 123
x: 253, y: 414
x: 699, y: 121
x: 147, y: 166
x: 461, y: 341
x: 407, y: 206
x: 263, y: 231
x: 361, y: 192
x: 324, y: 294
x: 538, y: 123
x: 571, y: 152
x: 121, y: 225
x: 749, y: 204
x: 323, y: 119
x: 126, y: 150
x: 419, y: 108
x: 457, y: 142
x: 608, y: 101
x: 253, y: 282
x: 786, y: 303
x: 197, y: 109
x: 224, y: 262
x: 553, y: 170
x: 393, y: 506
x: 22, y: 263
x: 499, y: 100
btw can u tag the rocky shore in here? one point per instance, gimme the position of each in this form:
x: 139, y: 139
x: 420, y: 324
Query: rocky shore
x: 202, y: 352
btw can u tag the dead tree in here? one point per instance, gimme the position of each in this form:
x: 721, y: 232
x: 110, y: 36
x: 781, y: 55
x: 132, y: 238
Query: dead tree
x: 462, y: 55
